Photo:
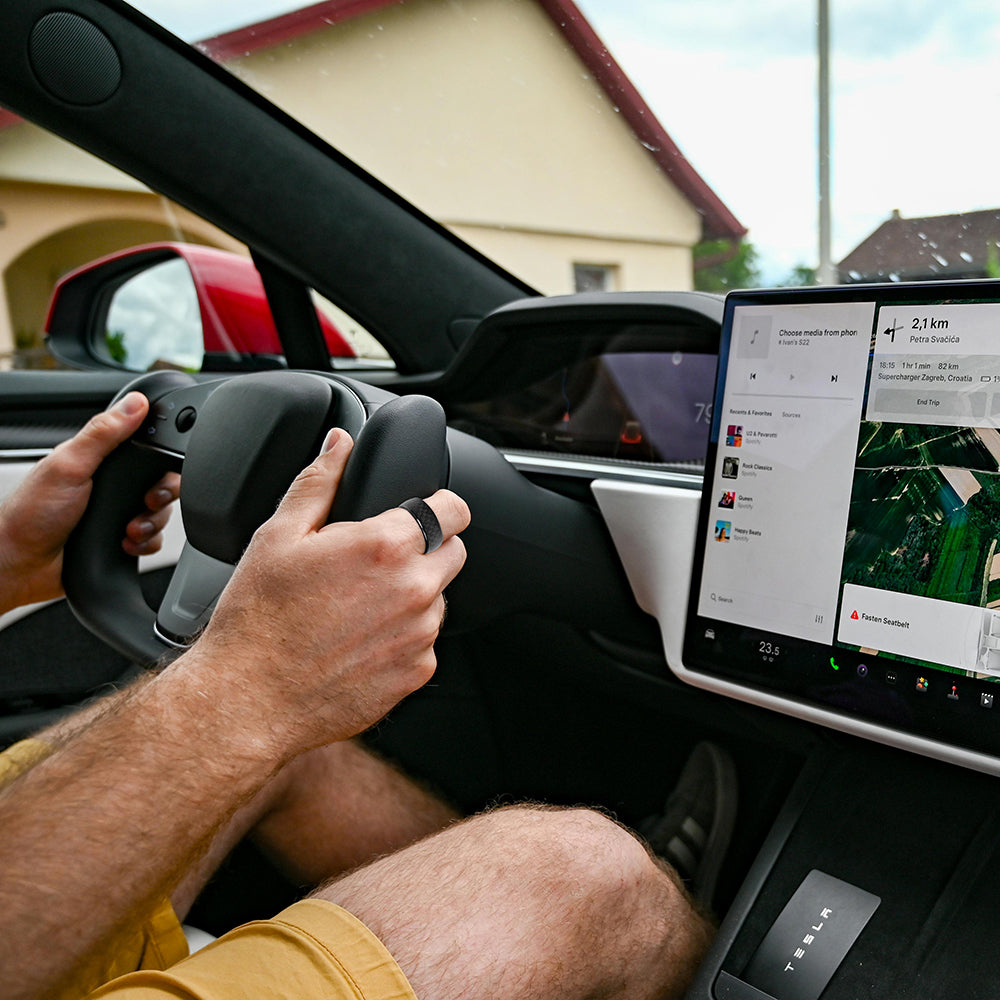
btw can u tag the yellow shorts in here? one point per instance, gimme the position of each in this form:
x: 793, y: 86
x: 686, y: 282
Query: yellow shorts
x: 313, y: 949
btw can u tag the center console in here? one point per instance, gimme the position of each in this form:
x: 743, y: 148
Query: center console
x: 842, y: 566
x: 846, y: 571
x: 908, y: 853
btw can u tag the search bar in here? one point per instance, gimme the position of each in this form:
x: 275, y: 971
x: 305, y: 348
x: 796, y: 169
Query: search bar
x: 763, y: 611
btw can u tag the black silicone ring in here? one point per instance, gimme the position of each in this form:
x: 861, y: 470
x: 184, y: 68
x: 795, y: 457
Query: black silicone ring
x: 430, y: 527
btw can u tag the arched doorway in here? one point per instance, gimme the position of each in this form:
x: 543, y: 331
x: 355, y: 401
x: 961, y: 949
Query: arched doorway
x: 29, y: 277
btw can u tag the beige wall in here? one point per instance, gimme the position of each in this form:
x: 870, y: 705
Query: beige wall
x: 28, y: 153
x: 545, y: 260
x: 49, y: 229
x: 480, y: 113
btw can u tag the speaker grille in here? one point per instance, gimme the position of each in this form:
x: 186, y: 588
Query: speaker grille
x: 73, y: 59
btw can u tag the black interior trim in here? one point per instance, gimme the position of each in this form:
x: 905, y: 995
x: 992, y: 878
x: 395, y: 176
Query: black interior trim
x: 38, y: 409
x: 564, y: 328
x: 294, y: 316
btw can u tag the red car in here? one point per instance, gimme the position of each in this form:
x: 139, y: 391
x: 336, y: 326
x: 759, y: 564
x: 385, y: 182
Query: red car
x: 214, y: 315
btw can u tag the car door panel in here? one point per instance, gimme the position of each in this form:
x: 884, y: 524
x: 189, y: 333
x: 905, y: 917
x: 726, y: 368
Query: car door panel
x: 39, y: 409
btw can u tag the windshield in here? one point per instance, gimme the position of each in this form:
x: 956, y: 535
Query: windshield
x: 601, y: 145
x: 493, y: 116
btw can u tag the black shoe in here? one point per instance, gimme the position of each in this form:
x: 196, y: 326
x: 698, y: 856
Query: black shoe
x: 694, y: 829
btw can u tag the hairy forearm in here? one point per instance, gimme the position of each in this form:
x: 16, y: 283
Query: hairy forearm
x: 112, y: 821
x: 96, y: 834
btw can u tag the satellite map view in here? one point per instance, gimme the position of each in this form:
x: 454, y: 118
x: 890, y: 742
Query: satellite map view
x: 924, y: 512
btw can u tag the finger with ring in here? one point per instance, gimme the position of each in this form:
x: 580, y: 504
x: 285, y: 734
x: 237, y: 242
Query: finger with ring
x: 427, y: 521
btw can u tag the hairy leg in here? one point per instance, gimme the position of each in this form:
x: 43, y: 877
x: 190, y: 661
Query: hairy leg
x: 530, y: 903
x: 343, y: 806
x: 325, y: 813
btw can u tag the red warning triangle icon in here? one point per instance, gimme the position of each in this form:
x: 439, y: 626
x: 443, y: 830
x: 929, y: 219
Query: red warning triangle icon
x: 854, y: 616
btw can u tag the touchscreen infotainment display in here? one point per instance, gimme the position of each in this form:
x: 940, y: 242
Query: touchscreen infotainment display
x: 849, y: 543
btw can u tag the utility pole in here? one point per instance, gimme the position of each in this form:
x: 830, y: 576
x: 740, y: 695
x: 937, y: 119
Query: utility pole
x: 825, y: 273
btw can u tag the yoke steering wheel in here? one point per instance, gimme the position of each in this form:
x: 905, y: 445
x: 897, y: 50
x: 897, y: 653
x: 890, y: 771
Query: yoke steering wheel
x: 239, y: 443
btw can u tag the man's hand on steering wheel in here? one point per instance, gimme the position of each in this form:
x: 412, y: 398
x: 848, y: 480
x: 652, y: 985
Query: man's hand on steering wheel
x: 325, y: 627
x: 37, y: 518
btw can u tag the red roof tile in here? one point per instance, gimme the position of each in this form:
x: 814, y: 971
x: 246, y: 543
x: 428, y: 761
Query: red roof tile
x: 927, y: 248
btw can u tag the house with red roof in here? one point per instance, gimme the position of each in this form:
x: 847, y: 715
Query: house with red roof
x: 927, y: 248
x: 508, y: 121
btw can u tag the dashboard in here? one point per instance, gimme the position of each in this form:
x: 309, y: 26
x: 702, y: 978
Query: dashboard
x: 639, y: 406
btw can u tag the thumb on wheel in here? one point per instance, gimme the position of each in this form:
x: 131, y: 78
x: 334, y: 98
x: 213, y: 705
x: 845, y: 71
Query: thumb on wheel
x: 80, y: 456
x: 311, y: 494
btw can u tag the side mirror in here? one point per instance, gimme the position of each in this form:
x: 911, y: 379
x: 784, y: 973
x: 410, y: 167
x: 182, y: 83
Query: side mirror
x: 169, y: 305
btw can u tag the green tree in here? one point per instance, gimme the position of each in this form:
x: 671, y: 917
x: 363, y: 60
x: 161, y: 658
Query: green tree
x: 992, y: 262
x: 721, y: 265
x: 115, y: 341
x: 799, y: 276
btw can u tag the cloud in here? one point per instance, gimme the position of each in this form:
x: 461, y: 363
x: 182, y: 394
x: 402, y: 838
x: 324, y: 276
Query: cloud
x: 769, y: 28
x: 741, y: 31
x: 735, y: 86
x: 957, y: 30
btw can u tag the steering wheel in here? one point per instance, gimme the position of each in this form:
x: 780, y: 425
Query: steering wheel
x: 239, y: 442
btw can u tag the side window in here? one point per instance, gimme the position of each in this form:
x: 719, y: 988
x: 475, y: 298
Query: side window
x: 63, y: 208
x: 166, y: 289
x: 595, y: 277
x: 187, y: 307
x: 363, y: 345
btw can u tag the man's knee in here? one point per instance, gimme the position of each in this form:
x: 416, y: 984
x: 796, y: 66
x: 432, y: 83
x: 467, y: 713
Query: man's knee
x: 576, y: 851
x: 545, y: 851
x: 531, y: 888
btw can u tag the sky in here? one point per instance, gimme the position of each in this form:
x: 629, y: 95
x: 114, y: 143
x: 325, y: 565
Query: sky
x: 914, y: 92
x: 914, y: 98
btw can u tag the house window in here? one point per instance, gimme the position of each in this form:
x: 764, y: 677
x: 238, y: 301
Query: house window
x: 595, y: 277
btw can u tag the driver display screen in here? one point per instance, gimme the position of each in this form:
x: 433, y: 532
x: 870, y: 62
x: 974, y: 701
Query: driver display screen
x: 849, y: 542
